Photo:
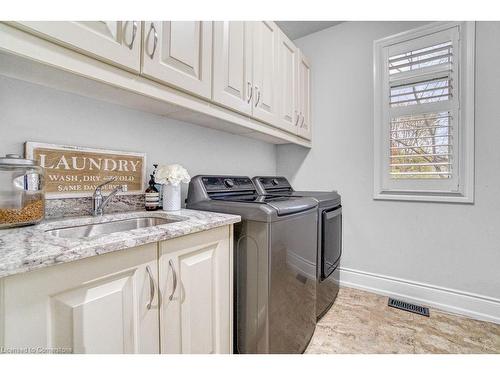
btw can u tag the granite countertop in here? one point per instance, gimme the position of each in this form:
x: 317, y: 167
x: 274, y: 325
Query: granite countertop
x: 28, y: 248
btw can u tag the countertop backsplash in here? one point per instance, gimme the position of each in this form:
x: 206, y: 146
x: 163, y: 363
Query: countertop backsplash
x: 67, y: 207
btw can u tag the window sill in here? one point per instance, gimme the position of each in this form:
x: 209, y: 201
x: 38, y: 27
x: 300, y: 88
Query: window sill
x: 420, y: 197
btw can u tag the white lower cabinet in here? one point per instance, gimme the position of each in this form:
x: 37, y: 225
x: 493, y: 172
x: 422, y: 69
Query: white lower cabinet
x: 196, y: 305
x: 95, y: 305
x: 168, y: 297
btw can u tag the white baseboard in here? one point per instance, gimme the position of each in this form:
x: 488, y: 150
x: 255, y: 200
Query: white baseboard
x: 472, y: 305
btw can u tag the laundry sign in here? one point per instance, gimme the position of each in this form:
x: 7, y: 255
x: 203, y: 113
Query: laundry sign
x: 72, y: 171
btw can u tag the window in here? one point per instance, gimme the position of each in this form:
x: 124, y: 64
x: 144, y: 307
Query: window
x: 424, y: 114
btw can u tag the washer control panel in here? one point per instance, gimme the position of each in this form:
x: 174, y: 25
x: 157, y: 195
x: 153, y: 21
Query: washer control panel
x: 228, y: 184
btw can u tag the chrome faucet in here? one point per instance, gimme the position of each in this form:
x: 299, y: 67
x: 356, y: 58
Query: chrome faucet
x: 99, y: 201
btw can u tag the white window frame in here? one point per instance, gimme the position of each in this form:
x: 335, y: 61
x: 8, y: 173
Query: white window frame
x: 462, y: 190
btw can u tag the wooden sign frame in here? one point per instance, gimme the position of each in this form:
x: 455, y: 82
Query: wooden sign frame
x: 62, y: 180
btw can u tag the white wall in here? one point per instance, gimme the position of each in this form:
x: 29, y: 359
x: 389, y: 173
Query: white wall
x: 30, y: 112
x: 454, y: 248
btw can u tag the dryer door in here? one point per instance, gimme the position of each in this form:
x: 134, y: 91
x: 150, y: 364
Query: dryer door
x: 331, y: 244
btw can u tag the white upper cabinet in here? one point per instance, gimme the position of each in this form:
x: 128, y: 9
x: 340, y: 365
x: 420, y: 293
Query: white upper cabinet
x: 265, y: 71
x: 106, y: 304
x: 304, y: 97
x: 196, y: 307
x: 260, y: 72
x: 232, y: 81
x: 249, y: 67
x: 288, y: 84
x: 116, y: 42
x: 179, y: 53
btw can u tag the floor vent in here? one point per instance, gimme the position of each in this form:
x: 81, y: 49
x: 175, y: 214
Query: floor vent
x: 410, y: 307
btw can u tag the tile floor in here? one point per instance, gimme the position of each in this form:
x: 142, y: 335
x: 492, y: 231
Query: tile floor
x: 361, y: 322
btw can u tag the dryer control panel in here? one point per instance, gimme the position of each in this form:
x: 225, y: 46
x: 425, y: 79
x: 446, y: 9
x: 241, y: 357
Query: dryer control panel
x: 272, y: 184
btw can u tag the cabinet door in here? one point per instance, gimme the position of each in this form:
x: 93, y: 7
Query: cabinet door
x: 232, y: 83
x: 265, y: 71
x: 304, y: 74
x: 179, y: 53
x: 94, y: 305
x: 288, y: 85
x: 196, y: 285
x: 117, y: 42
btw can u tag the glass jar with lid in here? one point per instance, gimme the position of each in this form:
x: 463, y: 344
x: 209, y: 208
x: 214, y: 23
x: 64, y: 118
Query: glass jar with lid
x: 22, y: 194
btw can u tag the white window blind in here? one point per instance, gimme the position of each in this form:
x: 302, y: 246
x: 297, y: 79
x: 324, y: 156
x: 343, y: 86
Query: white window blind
x: 418, y: 112
x: 421, y: 146
x: 421, y: 105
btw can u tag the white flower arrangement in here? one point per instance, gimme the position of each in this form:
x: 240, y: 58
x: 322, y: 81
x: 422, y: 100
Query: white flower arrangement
x: 172, y: 174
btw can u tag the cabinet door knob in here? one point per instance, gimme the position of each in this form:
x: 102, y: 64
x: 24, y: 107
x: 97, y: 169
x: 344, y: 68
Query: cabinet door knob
x: 155, y: 40
x: 174, y: 274
x: 134, y: 33
x: 297, y: 116
x: 151, y: 288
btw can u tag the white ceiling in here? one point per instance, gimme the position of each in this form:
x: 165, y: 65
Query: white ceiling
x: 298, y: 29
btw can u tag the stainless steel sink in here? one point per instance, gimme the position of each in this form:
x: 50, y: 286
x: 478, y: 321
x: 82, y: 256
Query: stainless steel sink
x: 91, y: 230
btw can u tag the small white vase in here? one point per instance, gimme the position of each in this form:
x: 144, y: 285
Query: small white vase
x: 171, y: 197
